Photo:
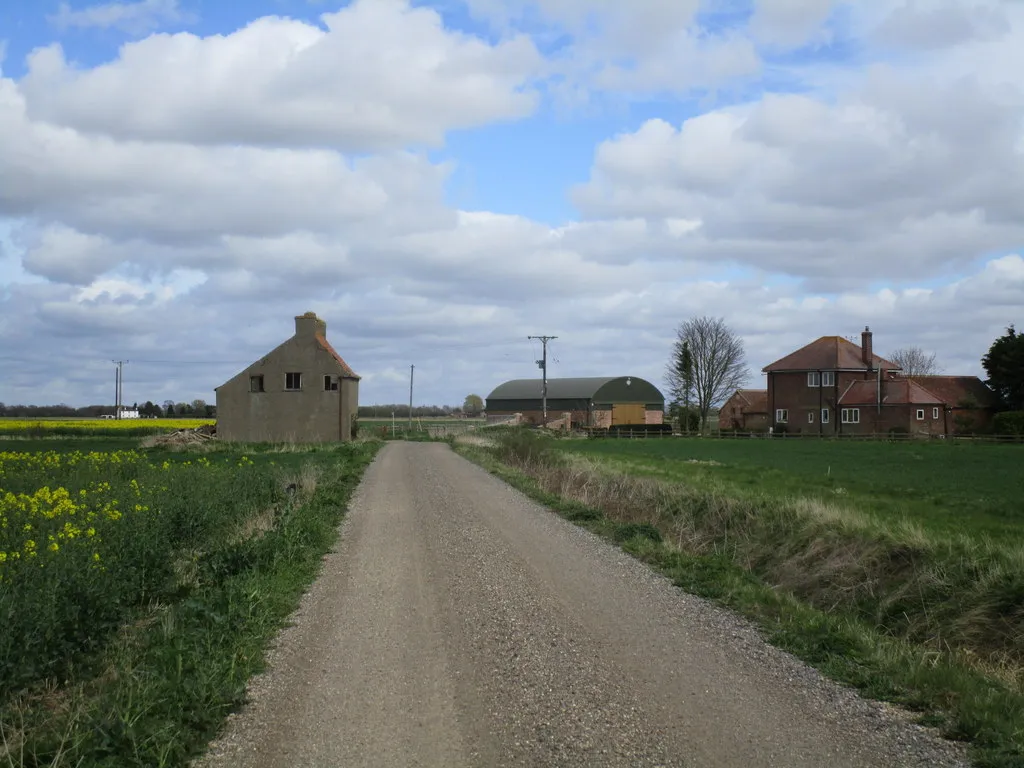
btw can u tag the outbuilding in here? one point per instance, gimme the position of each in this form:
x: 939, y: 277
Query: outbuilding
x: 602, y: 401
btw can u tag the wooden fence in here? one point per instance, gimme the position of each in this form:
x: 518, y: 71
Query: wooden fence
x: 626, y: 434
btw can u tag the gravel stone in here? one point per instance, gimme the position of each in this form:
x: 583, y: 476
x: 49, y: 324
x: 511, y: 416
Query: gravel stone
x: 458, y: 623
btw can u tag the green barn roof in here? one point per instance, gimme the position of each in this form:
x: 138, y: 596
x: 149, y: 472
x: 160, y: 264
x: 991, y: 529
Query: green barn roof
x: 598, y: 389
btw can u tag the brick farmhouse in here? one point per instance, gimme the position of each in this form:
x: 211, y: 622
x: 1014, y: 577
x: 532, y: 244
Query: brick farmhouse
x: 832, y: 386
x: 746, y: 410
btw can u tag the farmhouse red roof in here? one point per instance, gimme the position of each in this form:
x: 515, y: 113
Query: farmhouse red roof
x: 953, y: 390
x: 757, y: 399
x: 347, y: 372
x: 898, y: 391
x: 829, y: 353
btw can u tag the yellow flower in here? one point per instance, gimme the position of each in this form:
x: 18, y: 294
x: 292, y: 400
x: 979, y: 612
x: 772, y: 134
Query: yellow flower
x: 54, y: 547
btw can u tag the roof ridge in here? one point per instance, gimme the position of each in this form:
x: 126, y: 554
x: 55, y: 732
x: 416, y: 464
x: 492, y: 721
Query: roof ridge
x: 346, y: 368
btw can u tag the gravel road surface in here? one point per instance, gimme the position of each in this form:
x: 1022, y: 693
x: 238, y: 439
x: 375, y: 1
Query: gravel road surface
x: 458, y: 623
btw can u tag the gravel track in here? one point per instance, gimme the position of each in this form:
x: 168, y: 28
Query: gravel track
x: 458, y: 623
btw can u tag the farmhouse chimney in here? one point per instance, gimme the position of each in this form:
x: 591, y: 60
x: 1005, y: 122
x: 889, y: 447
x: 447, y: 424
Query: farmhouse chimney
x: 309, y: 325
x: 866, y: 353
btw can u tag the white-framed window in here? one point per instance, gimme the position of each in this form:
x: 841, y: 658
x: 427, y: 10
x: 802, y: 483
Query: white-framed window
x: 813, y: 379
x: 935, y: 413
x: 330, y: 383
x: 810, y: 417
x: 256, y: 383
x: 851, y: 415
x: 828, y: 378
x: 920, y: 414
x: 781, y: 415
x: 293, y: 381
x: 824, y: 415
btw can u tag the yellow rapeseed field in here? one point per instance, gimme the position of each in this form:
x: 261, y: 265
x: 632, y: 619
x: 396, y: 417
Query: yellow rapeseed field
x: 98, y: 425
x: 40, y: 524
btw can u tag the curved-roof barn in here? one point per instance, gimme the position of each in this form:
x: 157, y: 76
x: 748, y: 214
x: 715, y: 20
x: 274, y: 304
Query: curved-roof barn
x: 577, y: 394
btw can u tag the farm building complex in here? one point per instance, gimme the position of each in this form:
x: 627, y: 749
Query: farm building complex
x: 832, y: 386
x: 588, y: 402
x: 301, y: 392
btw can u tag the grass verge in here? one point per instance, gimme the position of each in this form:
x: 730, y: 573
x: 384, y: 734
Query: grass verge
x: 933, y: 625
x: 171, y: 658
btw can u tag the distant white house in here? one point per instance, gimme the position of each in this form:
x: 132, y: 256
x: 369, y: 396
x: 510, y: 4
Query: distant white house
x: 129, y: 413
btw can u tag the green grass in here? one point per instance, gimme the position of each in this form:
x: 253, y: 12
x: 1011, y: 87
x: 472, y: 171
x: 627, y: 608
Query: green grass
x: 948, y: 487
x: 916, y: 615
x: 138, y: 663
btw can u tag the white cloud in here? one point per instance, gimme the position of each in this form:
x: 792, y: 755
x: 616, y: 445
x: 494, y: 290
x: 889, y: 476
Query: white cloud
x: 937, y: 24
x: 135, y: 18
x: 789, y: 23
x: 187, y: 213
x: 635, y: 48
x: 886, y: 177
x: 382, y: 75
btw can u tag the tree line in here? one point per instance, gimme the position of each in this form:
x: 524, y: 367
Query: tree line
x: 401, y: 411
x: 197, y: 409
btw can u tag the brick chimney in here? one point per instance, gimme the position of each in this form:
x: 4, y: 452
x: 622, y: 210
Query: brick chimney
x: 866, y: 354
x: 309, y: 325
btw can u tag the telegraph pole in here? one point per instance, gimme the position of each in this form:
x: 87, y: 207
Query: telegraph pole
x: 543, y: 364
x: 118, y: 383
x: 412, y: 370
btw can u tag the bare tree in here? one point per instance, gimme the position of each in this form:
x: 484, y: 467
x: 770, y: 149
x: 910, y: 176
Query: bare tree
x: 708, y: 364
x: 915, y: 361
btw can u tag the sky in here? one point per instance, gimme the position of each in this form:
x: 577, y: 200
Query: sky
x: 440, y: 180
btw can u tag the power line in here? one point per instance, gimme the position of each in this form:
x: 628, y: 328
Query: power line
x: 543, y: 363
x: 118, y: 386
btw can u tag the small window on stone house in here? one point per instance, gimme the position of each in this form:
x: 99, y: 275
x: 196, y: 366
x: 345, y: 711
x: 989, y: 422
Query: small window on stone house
x: 935, y: 413
x: 256, y: 384
x: 810, y: 417
x: 920, y: 414
x: 330, y: 383
x: 828, y: 378
x: 782, y: 415
x: 813, y: 379
x: 293, y: 381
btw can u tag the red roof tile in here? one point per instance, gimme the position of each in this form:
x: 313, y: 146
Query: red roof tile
x: 756, y: 399
x: 898, y: 391
x: 346, y: 371
x: 829, y: 353
x: 953, y: 390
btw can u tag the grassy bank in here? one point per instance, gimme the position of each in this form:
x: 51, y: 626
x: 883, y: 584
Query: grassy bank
x: 906, y: 613
x: 150, y: 586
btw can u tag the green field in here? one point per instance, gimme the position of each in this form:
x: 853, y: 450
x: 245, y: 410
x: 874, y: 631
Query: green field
x: 139, y: 588
x: 950, y: 487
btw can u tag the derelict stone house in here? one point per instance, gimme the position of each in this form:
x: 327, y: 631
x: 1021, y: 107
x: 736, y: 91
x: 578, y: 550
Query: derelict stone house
x: 300, y: 392
x: 593, y: 402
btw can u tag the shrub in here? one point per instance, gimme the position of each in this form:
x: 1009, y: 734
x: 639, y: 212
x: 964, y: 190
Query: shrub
x: 1009, y: 423
x: 526, y: 446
